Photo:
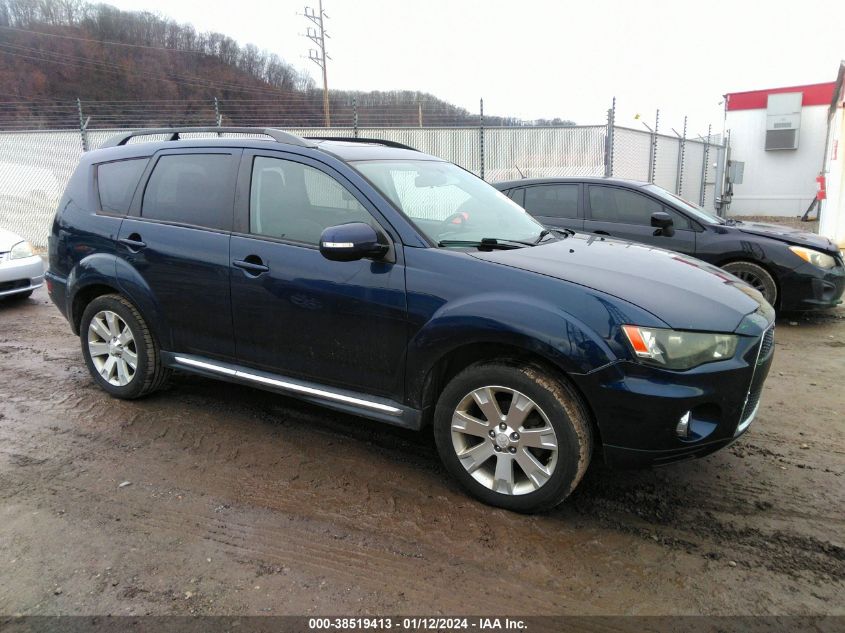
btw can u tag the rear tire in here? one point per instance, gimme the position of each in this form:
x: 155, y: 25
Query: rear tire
x: 513, y: 435
x: 119, y: 349
x: 757, y: 277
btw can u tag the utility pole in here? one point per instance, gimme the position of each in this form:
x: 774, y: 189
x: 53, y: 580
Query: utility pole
x: 318, y: 35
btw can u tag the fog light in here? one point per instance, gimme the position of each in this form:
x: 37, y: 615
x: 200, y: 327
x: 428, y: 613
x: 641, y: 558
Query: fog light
x: 682, y: 429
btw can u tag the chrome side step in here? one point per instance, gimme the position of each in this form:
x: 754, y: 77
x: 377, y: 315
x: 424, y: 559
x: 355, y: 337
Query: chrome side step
x: 380, y: 409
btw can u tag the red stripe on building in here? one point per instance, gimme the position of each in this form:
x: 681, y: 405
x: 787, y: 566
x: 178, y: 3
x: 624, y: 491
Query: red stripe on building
x: 814, y: 94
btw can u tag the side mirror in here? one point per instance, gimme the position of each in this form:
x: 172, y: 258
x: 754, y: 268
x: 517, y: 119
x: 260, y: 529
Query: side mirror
x: 663, y: 223
x: 351, y: 242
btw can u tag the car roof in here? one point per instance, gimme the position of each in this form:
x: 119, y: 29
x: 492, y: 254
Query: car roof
x: 604, y: 180
x: 346, y: 149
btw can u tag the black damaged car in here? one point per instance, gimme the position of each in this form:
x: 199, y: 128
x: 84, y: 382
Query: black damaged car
x: 794, y: 270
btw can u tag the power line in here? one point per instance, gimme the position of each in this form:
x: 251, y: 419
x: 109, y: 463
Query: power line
x: 110, y: 43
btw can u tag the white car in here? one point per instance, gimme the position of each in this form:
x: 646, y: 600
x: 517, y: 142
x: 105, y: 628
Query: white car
x: 21, y: 270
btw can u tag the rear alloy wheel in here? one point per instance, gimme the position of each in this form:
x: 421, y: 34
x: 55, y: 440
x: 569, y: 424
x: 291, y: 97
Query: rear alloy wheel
x: 755, y: 276
x: 111, y: 345
x: 119, y: 348
x: 513, y: 436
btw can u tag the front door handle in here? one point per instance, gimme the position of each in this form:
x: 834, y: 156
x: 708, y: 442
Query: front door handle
x: 252, y: 265
x: 601, y: 233
x: 134, y: 242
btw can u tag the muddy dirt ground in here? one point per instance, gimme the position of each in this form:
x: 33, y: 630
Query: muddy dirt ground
x: 244, y: 502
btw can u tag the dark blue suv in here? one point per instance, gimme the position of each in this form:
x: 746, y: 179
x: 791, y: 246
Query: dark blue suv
x: 378, y: 280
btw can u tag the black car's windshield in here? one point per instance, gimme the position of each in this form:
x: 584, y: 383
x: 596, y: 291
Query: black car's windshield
x: 450, y: 205
x: 693, y: 209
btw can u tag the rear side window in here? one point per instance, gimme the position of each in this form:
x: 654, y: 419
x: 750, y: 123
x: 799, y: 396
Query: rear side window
x: 553, y: 201
x: 517, y: 195
x: 116, y: 183
x: 195, y: 189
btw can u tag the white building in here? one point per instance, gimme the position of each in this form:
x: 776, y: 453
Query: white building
x: 832, y: 214
x: 779, y: 135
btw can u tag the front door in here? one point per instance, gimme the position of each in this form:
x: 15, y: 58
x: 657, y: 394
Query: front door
x: 626, y: 214
x: 297, y: 313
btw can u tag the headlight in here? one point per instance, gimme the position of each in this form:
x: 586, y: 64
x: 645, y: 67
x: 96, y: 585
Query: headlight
x: 21, y: 250
x: 673, y: 349
x: 816, y: 258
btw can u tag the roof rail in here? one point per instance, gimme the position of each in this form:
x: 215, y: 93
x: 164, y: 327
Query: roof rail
x: 279, y: 136
x: 358, y: 139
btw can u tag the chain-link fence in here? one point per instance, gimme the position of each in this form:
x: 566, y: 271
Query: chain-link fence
x: 36, y: 165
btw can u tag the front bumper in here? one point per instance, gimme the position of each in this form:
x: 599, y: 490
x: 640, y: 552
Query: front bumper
x: 809, y: 287
x: 637, y: 408
x: 21, y: 275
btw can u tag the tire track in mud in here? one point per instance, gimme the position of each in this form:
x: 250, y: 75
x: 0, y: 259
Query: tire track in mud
x: 273, y: 538
x: 681, y: 518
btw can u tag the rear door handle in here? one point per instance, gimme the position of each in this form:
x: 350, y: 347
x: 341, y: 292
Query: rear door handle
x: 134, y: 241
x: 251, y: 265
x: 601, y: 233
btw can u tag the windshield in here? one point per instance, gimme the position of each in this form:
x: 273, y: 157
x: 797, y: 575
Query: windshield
x: 450, y: 204
x: 693, y: 209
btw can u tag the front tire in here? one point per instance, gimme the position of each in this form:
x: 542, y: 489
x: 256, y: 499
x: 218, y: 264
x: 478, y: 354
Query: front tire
x: 757, y: 277
x: 119, y: 349
x: 514, y: 436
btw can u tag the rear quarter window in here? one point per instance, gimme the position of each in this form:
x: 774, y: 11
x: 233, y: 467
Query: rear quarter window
x: 116, y: 183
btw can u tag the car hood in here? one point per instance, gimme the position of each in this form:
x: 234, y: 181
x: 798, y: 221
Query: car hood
x: 684, y: 293
x: 788, y: 234
x: 8, y: 240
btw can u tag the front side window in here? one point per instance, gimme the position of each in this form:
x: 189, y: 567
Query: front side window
x: 194, y: 189
x: 553, y: 201
x: 448, y: 203
x: 292, y: 201
x: 116, y: 183
x: 612, y: 204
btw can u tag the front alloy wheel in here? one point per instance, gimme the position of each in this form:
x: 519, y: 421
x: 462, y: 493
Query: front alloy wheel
x: 504, y: 440
x: 515, y: 435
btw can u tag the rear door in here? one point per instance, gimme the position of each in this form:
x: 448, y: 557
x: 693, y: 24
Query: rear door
x: 555, y: 205
x: 626, y: 214
x: 176, y: 237
x: 295, y: 312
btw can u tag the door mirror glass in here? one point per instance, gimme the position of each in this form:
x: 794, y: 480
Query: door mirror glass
x: 351, y: 242
x: 663, y: 223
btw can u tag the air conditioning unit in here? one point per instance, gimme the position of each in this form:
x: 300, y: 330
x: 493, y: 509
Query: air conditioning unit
x: 783, y: 120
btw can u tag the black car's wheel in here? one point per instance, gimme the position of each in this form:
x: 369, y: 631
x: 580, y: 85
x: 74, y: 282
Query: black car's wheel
x: 755, y: 276
x: 514, y: 436
x: 119, y: 349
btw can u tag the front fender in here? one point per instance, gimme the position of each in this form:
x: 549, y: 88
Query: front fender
x: 527, y: 323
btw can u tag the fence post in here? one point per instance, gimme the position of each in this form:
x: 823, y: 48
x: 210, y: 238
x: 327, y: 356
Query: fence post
x: 355, y: 117
x: 704, y: 165
x: 682, y: 146
x: 218, y: 120
x: 652, y: 162
x: 83, y: 125
x: 481, y: 137
x: 608, y: 141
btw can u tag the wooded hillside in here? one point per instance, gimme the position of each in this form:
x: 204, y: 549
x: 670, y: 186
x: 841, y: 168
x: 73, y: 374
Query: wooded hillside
x: 138, y: 68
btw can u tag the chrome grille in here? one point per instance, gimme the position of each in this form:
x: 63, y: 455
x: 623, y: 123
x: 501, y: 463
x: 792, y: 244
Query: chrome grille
x: 755, y: 390
x: 766, y: 346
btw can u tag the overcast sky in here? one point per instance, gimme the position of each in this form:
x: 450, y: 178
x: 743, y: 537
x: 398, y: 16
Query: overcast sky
x: 549, y: 59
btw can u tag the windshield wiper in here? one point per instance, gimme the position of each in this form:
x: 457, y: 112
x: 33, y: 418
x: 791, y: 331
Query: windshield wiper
x: 566, y: 232
x: 486, y: 242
